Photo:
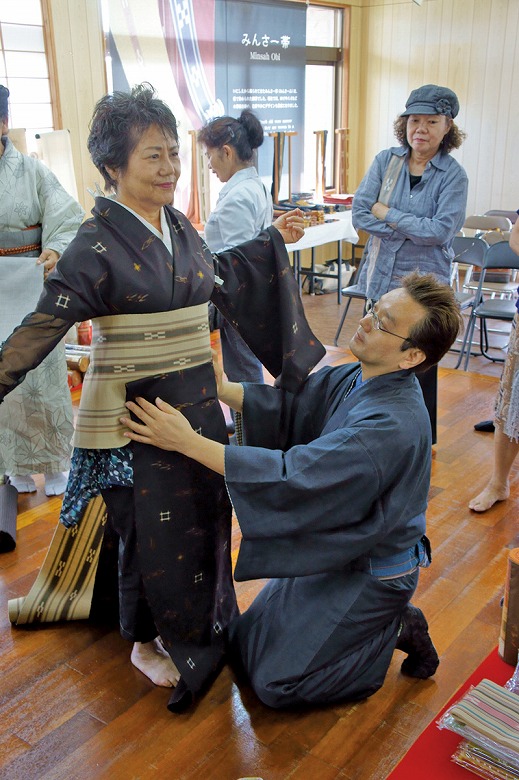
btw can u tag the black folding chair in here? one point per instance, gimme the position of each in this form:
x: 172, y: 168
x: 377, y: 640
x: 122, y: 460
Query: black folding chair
x: 483, y: 309
x: 469, y: 252
x: 351, y: 292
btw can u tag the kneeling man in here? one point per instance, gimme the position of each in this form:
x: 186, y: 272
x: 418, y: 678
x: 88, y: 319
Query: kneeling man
x: 330, y: 491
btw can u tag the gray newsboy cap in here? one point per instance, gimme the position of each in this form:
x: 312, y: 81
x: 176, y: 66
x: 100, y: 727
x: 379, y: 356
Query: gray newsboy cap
x: 432, y: 99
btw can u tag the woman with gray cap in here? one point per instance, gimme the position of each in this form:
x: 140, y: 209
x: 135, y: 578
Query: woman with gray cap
x: 412, y: 202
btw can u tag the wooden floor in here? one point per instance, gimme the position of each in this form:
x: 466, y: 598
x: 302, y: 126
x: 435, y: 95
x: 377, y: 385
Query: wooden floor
x: 72, y: 706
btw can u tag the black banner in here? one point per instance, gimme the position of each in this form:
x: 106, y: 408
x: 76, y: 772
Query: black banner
x: 260, y: 64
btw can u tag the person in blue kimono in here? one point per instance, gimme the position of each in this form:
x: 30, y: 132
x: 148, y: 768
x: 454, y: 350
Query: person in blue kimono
x: 330, y: 491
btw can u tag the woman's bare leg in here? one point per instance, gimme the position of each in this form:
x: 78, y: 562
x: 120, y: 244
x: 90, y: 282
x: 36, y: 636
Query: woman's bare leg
x: 498, y: 488
x: 152, y: 659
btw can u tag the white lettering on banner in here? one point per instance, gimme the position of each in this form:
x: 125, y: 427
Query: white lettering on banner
x: 261, y: 98
x: 265, y: 40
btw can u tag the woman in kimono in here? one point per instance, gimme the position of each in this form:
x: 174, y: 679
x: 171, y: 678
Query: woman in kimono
x: 141, y: 272
x: 38, y: 219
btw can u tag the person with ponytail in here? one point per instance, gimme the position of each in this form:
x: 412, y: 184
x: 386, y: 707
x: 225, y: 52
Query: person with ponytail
x: 244, y: 208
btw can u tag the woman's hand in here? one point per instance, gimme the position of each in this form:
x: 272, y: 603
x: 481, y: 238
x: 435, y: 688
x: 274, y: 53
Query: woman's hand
x: 161, y: 425
x: 48, y: 258
x: 379, y: 210
x: 290, y: 225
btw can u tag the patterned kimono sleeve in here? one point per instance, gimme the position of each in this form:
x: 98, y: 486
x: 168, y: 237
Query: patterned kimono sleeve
x: 69, y: 295
x: 27, y: 346
x: 260, y: 298
x: 61, y: 214
x: 74, y: 290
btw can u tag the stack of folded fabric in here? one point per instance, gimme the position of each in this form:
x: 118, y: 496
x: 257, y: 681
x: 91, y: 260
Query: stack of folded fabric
x: 487, y: 716
x: 482, y: 763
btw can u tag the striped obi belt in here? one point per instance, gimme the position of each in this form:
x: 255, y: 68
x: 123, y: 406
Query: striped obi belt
x: 126, y: 347
x: 25, y: 243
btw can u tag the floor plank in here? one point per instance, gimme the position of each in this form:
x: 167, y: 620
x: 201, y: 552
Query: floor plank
x: 72, y: 706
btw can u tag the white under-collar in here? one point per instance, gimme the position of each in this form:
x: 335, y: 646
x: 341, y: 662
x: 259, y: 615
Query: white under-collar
x: 165, y: 236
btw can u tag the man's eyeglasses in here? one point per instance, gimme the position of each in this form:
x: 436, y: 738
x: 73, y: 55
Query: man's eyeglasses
x: 370, y: 309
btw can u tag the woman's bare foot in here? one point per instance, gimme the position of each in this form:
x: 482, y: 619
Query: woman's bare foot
x: 151, y: 659
x: 488, y: 497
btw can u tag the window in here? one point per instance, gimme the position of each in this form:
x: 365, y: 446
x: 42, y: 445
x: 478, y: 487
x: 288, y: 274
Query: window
x: 23, y: 67
x: 323, y: 81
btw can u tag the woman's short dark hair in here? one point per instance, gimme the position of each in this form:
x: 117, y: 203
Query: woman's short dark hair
x: 117, y: 124
x: 4, y: 104
x: 436, y: 332
x: 244, y: 134
x: 452, y: 140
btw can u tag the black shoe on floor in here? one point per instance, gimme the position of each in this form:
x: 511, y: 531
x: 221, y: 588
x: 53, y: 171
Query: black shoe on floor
x: 422, y: 660
x: 487, y: 426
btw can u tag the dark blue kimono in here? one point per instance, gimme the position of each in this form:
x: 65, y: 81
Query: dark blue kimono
x: 333, y: 483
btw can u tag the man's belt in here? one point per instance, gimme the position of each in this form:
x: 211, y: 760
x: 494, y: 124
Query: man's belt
x: 397, y: 565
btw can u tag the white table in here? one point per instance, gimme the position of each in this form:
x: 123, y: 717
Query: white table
x: 338, y: 227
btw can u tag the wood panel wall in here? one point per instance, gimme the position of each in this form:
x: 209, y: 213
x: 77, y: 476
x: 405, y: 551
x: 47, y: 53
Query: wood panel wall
x: 469, y: 45
x: 395, y: 45
x: 77, y: 40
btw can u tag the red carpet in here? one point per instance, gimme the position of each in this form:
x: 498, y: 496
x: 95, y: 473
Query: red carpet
x: 429, y: 758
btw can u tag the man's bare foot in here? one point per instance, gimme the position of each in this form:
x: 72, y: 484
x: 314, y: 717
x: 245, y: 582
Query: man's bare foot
x: 488, y: 497
x: 151, y: 659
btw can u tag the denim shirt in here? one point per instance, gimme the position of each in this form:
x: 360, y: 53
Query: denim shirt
x: 421, y: 223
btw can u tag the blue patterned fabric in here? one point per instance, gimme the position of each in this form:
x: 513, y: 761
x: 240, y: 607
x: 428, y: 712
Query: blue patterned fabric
x: 92, y: 471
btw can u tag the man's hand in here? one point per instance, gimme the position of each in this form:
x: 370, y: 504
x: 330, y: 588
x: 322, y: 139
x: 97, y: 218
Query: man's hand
x: 218, y: 372
x: 165, y: 427
x: 290, y: 225
x: 49, y: 258
x: 161, y: 425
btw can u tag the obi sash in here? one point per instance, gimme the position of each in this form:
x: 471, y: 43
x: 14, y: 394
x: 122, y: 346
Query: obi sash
x: 26, y: 242
x: 126, y: 347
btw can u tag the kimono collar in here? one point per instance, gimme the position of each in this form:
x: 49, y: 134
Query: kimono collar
x: 165, y: 236
x: 9, y: 148
x: 392, y: 377
x: 357, y: 381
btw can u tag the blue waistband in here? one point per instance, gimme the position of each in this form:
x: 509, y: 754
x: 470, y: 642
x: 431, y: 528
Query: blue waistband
x: 399, y: 564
